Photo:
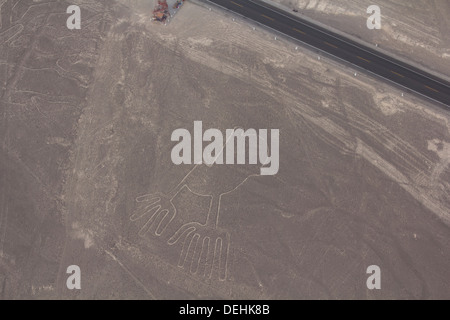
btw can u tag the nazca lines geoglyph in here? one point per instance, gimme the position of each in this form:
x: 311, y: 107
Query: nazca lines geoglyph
x: 205, y: 246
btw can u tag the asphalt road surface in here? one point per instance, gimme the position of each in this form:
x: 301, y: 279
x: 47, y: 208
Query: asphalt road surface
x: 398, y: 72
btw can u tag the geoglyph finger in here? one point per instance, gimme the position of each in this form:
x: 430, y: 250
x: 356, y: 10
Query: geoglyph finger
x: 203, y: 258
x: 148, y: 198
x: 185, y: 250
x: 180, y: 232
x: 163, y: 221
x: 142, y: 211
x: 151, y: 221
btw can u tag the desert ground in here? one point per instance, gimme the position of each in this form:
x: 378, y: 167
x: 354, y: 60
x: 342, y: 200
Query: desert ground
x: 416, y: 30
x: 87, y: 118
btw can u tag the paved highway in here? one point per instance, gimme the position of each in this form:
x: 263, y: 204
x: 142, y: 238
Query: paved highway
x: 402, y: 74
